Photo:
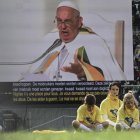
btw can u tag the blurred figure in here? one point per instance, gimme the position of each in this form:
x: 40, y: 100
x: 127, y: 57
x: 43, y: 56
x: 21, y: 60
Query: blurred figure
x: 0, y: 128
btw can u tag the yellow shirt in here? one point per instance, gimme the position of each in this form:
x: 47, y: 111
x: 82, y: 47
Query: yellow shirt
x: 83, y: 115
x: 128, y: 116
x: 110, y: 107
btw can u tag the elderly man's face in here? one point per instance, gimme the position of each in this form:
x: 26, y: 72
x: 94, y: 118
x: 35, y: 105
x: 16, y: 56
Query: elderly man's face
x: 68, y: 23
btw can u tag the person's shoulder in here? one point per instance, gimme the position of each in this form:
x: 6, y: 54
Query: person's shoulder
x: 121, y: 109
x: 96, y: 107
x: 49, y: 39
x: 121, y: 102
x: 105, y: 101
x: 82, y: 107
x: 137, y: 110
x: 51, y: 35
x: 85, y: 34
x: 86, y: 30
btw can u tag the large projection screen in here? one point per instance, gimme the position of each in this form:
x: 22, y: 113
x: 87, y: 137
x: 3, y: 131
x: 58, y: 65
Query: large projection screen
x: 24, y: 24
x: 27, y: 30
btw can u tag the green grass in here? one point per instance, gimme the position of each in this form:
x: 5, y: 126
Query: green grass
x: 108, y: 135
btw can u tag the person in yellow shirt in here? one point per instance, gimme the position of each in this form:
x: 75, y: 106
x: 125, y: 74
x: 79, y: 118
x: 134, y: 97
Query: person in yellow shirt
x: 128, y: 114
x: 88, y: 116
x: 110, y: 105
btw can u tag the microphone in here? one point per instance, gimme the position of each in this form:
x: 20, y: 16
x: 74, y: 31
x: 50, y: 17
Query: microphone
x: 55, y: 44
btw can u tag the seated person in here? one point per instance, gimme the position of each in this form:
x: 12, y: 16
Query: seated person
x: 128, y: 114
x: 88, y: 116
x: 80, y: 54
x: 110, y: 105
